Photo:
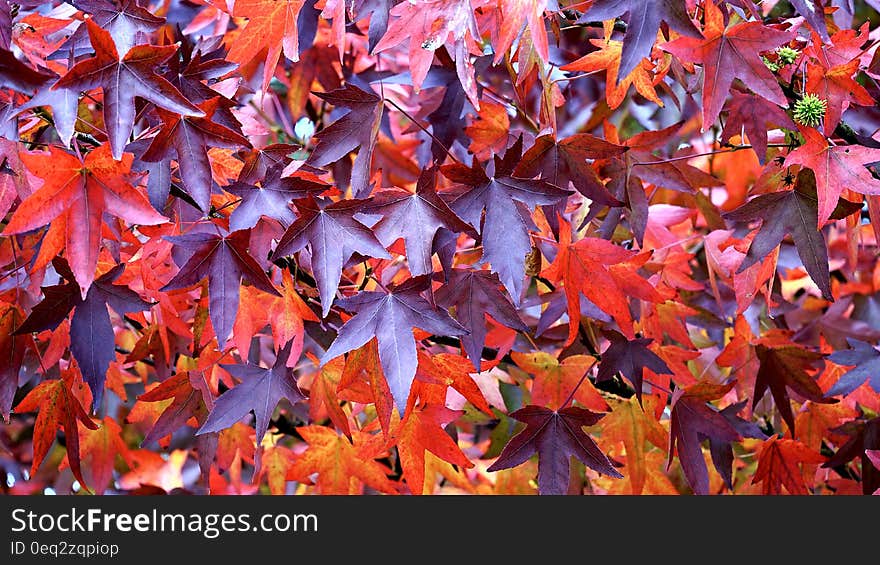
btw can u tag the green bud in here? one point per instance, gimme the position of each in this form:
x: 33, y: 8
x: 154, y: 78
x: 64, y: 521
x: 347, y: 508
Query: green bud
x: 787, y: 55
x: 809, y: 110
x: 770, y: 64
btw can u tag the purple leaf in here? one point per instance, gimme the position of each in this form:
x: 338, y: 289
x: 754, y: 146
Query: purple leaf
x: 122, y: 18
x: 260, y: 390
x: 92, y: 341
x: 123, y: 80
x: 753, y: 114
x: 692, y: 420
x: 270, y: 197
x: 356, y: 129
x: 189, y: 139
x: 476, y: 294
x: 867, y: 368
x: 555, y: 437
x: 18, y: 76
x: 225, y: 261
x: 333, y: 236
x: 64, y: 103
x: 416, y: 218
x: 508, y: 202
x: 642, y: 22
x: 792, y: 212
x: 629, y: 358
x: 814, y: 13
x: 390, y: 318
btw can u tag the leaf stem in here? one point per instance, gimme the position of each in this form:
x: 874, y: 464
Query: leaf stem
x: 421, y: 127
x: 574, y: 390
x: 731, y: 149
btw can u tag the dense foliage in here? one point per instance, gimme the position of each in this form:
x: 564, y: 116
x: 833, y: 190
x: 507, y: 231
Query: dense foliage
x: 440, y: 246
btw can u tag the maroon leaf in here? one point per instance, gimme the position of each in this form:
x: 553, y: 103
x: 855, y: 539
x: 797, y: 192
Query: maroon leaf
x: 863, y: 436
x: 730, y: 53
x: 563, y: 162
x: 629, y: 172
x: 629, y: 358
x: 390, y: 318
x: 694, y: 420
x: 225, y: 261
x: 783, y: 368
x: 18, y: 76
x: 123, y: 80
x: 12, y: 349
x: 192, y: 72
x: 189, y: 139
x: 356, y: 129
x: 260, y: 391
x: 415, y: 218
x: 753, y: 114
x: 476, y: 294
x: 257, y: 162
x: 555, y: 436
x: 333, y: 236
x: 721, y: 450
x: 187, y: 392
x: 792, y: 212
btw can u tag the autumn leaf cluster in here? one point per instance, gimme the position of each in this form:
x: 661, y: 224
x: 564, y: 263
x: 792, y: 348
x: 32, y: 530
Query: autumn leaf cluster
x: 440, y: 246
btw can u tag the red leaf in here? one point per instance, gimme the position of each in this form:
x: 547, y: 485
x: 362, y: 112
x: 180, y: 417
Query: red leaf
x: 836, y: 167
x: 80, y: 192
x: 730, y: 53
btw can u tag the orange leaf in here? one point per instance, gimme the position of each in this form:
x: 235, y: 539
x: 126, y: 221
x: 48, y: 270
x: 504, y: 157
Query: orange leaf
x: 555, y: 381
x: 778, y: 466
x: 629, y: 424
x: 342, y: 467
x: 58, y: 408
x: 421, y: 431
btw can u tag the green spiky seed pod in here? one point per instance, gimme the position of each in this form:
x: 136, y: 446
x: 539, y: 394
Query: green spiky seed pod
x: 787, y: 55
x: 770, y: 64
x: 809, y: 110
